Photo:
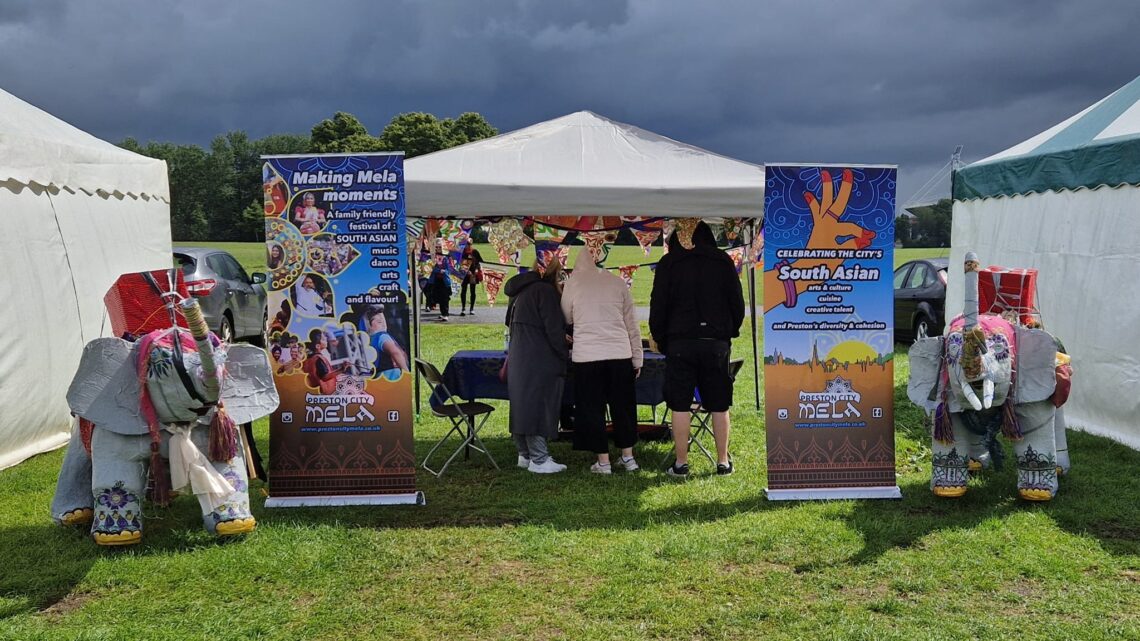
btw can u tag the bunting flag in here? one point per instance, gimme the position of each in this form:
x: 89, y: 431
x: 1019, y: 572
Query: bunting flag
x: 646, y: 238
x: 667, y: 228
x: 737, y: 256
x: 492, y: 283
x: 548, y: 250
x: 508, y: 238
x: 455, y: 234
x: 546, y: 233
x: 598, y: 242
x: 732, y: 228
x: 627, y: 274
x: 756, y: 249
x: 684, y: 231
x: 415, y: 228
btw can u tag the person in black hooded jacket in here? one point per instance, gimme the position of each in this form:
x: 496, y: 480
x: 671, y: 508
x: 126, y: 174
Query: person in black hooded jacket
x: 696, y: 308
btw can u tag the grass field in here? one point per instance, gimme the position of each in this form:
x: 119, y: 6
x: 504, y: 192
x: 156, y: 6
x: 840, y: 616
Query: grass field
x: 513, y: 555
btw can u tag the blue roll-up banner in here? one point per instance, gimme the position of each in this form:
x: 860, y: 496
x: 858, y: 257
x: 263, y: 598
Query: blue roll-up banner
x: 829, y: 331
x: 339, y: 331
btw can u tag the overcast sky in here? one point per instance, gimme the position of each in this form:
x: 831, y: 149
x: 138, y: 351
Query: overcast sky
x: 797, y: 81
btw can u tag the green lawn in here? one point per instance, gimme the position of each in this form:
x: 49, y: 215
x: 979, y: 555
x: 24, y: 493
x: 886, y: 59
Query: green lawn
x: 513, y: 555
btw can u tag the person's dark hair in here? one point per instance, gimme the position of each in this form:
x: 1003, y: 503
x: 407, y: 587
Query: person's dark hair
x: 370, y: 312
x: 703, y: 235
x: 550, y: 275
x: 314, y: 338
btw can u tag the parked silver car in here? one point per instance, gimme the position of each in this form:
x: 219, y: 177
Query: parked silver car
x: 232, y: 301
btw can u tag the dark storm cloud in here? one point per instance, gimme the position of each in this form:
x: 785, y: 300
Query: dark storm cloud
x: 884, y: 82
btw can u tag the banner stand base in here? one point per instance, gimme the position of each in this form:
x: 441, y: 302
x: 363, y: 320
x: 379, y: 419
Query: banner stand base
x: 412, y: 498
x: 836, y: 493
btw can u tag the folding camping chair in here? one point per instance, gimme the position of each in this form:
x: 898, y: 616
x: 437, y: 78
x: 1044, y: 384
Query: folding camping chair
x: 464, y: 417
x: 702, y: 418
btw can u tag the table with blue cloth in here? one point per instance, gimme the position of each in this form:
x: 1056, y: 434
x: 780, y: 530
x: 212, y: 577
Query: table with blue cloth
x: 474, y: 374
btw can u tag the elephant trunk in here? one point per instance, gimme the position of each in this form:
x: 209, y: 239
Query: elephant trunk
x: 201, y: 334
x: 974, y: 339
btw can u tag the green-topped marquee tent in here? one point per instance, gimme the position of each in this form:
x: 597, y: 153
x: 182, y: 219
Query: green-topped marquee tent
x: 1067, y: 202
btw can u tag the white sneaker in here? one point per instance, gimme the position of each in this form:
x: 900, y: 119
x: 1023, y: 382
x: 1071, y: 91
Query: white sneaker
x: 524, y: 462
x: 549, y: 467
x: 599, y: 468
x: 630, y: 464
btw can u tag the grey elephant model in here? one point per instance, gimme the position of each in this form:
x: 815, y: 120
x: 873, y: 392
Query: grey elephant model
x: 988, y: 375
x: 162, y: 402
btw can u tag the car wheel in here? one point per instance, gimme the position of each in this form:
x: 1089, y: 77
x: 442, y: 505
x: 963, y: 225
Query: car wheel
x: 262, y: 339
x: 921, y: 328
x: 226, y: 331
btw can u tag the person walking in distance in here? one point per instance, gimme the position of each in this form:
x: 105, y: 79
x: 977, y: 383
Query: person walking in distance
x: 696, y: 308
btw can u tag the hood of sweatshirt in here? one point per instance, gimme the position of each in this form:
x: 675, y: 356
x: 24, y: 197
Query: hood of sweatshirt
x: 521, y: 282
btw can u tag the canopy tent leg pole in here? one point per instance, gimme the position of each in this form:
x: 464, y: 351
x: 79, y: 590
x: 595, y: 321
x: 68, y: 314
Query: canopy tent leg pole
x: 751, y: 266
x: 414, y: 275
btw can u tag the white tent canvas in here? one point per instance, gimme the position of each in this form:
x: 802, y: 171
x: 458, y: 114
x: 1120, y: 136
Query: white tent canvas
x: 77, y: 212
x: 582, y: 165
x: 1066, y: 202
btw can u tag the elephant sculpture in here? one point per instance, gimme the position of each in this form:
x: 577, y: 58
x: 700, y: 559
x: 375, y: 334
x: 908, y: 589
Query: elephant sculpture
x: 987, y: 376
x: 155, y: 407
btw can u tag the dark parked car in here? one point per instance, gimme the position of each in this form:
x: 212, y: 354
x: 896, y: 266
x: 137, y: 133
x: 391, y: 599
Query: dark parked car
x: 920, y: 298
x: 232, y: 301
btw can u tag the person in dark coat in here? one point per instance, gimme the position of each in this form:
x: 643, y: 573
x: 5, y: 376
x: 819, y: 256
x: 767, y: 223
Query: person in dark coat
x: 695, y: 310
x: 536, y: 366
x: 439, y: 285
x: 472, y: 267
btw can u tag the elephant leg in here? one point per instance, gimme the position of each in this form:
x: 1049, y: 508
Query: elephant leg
x: 118, y: 483
x: 1036, y: 451
x: 233, y: 515
x: 949, y: 471
x: 1062, y: 440
x: 71, y: 505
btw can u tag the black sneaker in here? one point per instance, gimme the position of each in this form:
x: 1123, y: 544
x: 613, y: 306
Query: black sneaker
x: 679, y: 471
x: 462, y: 314
x: 724, y: 470
x: 472, y: 312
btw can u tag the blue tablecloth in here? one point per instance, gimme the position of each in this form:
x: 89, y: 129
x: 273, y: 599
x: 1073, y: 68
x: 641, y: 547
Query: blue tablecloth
x: 474, y: 374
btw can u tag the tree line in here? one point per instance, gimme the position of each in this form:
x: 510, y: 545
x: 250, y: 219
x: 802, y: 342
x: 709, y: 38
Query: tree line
x: 930, y: 227
x: 216, y: 193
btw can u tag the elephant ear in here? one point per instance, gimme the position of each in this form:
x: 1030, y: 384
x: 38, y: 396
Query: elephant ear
x: 925, y: 365
x: 1036, y: 360
x: 248, y: 390
x: 105, y: 389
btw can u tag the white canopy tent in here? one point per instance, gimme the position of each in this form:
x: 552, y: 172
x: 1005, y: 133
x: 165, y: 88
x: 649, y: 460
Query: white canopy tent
x: 1066, y: 202
x: 77, y: 212
x: 582, y: 165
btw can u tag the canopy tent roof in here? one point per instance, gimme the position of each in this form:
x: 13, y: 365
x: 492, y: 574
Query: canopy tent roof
x: 582, y: 165
x: 1098, y: 146
x: 39, y: 149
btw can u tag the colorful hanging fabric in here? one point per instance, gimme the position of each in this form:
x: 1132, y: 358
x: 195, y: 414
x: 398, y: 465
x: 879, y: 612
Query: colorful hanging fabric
x: 547, y: 251
x: 685, y: 228
x: 546, y: 233
x: 732, y: 228
x: 646, y: 238
x: 415, y: 227
x: 667, y: 229
x: 508, y: 238
x: 756, y: 249
x: 455, y: 234
x: 737, y: 256
x: 492, y: 283
x: 627, y: 274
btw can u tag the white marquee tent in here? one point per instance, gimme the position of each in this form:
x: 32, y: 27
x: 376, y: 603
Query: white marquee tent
x: 582, y: 165
x: 1067, y: 202
x: 77, y: 212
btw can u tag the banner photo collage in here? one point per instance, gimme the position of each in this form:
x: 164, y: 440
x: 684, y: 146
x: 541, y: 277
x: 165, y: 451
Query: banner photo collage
x: 338, y: 327
x: 829, y: 331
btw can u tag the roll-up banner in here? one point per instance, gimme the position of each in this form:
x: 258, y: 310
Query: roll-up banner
x: 829, y: 331
x: 338, y: 331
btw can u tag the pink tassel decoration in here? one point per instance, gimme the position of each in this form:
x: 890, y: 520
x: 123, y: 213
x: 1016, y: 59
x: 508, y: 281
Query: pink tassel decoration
x: 223, y: 436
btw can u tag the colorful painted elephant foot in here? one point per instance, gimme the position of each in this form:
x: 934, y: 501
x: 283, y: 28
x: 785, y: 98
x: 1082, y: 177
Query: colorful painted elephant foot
x: 80, y: 517
x: 236, y: 527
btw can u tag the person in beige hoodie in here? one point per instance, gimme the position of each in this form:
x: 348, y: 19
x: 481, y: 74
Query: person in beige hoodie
x: 607, y: 359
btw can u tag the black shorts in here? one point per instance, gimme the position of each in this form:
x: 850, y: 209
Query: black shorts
x: 692, y: 364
